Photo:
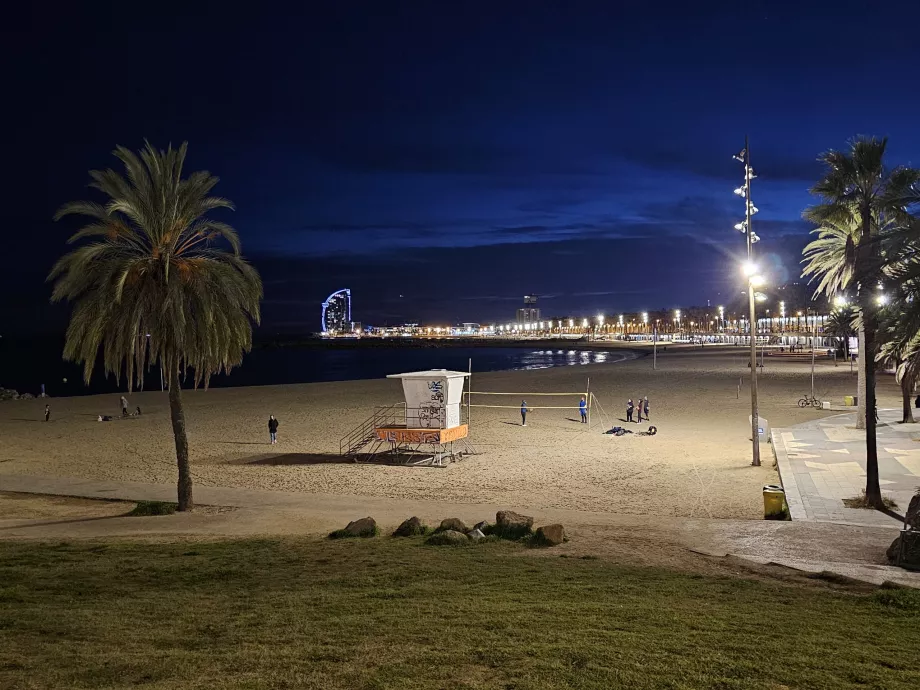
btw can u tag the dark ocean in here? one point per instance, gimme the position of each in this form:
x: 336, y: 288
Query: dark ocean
x: 25, y: 366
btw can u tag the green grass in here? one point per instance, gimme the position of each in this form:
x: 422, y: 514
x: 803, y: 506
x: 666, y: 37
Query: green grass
x: 393, y: 613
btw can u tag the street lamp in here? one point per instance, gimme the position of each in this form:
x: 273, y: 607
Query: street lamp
x: 750, y: 270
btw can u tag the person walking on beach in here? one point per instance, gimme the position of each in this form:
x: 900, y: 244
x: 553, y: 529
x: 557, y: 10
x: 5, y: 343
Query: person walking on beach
x: 629, y: 410
x: 583, y: 409
x: 47, y: 413
x: 273, y: 429
x: 639, y: 409
x: 523, y: 413
x: 124, y: 406
x: 644, y: 404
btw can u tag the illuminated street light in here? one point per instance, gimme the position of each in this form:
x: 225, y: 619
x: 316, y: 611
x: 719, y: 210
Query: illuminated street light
x: 571, y: 323
x: 584, y: 323
x: 754, y: 280
x: 600, y: 319
x: 645, y: 317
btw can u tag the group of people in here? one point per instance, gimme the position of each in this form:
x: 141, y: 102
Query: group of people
x: 640, y: 408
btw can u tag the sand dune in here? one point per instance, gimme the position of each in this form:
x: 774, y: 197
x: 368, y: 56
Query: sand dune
x: 697, y: 465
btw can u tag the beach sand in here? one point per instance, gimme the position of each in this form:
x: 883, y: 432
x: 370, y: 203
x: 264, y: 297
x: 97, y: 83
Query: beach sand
x: 698, y: 465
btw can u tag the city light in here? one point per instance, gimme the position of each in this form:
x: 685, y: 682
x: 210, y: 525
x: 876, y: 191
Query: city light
x: 600, y: 319
x: 571, y: 323
x: 584, y: 323
x: 749, y: 268
x: 645, y: 317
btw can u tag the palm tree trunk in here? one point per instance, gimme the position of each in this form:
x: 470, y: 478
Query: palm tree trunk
x: 177, y: 413
x: 907, y: 416
x: 873, y: 489
x: 861, y: 380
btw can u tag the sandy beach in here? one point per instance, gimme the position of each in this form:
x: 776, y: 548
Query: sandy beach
x: 698, y: 465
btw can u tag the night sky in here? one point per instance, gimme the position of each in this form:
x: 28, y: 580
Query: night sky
x: 442, y: 159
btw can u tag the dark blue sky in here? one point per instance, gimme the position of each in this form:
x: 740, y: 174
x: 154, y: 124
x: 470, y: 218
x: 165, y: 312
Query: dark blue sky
x: 443, y: 159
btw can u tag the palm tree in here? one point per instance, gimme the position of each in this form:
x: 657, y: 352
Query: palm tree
x: 839, y: 324
x: 158, y: 282
x: 857, y: 191
x: 826, y: 262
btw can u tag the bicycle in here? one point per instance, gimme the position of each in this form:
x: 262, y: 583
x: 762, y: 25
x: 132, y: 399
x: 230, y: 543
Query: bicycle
x: 809, y: 401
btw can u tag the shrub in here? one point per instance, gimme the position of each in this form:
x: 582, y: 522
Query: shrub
x: 147, y: 508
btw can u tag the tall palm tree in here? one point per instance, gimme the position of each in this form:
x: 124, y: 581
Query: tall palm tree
x: 158, y: 282
x: 857, y: 190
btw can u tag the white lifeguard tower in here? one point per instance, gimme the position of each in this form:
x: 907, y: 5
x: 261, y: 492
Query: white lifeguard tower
x: 423, y: 429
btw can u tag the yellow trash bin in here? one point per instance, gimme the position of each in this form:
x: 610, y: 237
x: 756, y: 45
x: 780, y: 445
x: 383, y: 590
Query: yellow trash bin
x: 849, y: 400
x: 774, y: 503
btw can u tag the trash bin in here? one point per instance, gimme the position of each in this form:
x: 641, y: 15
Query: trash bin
x: 774, y: 503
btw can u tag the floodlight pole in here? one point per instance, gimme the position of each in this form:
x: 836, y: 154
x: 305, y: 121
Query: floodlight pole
x: 755, y: 415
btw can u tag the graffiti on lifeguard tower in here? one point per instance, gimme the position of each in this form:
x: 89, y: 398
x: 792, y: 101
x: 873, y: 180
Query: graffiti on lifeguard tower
x: 437, y: 391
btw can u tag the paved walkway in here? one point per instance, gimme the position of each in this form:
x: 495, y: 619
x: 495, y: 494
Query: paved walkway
x: 823, y: 462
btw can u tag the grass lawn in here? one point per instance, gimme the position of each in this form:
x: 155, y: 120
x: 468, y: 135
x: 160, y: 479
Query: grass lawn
x: 388, y: 613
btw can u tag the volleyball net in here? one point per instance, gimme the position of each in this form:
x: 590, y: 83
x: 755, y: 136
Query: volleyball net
x: 523, y: 396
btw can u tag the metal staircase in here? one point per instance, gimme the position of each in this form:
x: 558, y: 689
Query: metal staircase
x: 364, y: 433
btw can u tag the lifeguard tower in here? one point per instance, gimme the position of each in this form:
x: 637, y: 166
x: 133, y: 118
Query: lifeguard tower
x: 422, y: 430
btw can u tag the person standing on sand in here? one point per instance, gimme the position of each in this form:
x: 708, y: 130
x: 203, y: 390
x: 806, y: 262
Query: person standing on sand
x: 639, y: 409
x: 523, y: 413
x: 629, y: 410
x: 47, y: 413
x: 124, y: 406
x: 583, y: 409
x: 273, y: 429
x: 644, y: 404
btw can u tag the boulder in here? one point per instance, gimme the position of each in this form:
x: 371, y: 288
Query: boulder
x: 511, y: 525
x: 550, y: 535
x: 913, y: 512
x: 448, y: 537
x: 410, y: 528
x: 365, y: 527
x: 910, y: 554
x: 26, y: 396
x: 475, y: 535
x: 454, y: 524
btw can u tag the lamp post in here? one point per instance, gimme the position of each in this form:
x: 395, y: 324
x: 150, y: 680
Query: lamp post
x: 750, y: 270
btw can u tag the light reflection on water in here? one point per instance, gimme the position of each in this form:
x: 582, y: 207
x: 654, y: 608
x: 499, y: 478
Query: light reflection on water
x: 544, y: 359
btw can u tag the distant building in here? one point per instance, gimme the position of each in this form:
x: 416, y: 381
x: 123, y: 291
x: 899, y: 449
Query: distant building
x: 529, y: 313
x: 337, y: 312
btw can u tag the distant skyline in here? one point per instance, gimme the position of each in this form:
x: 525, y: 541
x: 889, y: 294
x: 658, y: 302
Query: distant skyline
x: 442, y: 160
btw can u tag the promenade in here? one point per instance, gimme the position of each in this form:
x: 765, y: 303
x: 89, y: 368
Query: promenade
x: 824, y: 461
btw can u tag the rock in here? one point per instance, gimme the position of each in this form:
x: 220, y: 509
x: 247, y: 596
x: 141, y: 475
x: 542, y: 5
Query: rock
x: 448, y: 537
x: 365, y: 527
x: 511, y: 525
x: 550, y: 535
x: 26, y: 396
x: 475, y: 535
x: 482, y: 527
x: 910, y: 555
x: 8, y: 394
x: 454, y: 524
x: 410, y: 528
x: 913, y: 512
